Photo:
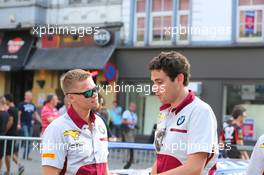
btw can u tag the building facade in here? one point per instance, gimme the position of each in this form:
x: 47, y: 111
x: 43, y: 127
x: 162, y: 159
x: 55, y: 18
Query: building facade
x: 62, y: 35
x: 225, y: 44
x: 224, y: 41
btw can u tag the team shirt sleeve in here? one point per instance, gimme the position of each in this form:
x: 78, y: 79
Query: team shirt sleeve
x: 256, y: 164
x: 202, y: 134
x: 54, y: 148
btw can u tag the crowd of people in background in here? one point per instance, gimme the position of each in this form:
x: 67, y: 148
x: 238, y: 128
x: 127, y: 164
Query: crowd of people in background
x: 25, y: 119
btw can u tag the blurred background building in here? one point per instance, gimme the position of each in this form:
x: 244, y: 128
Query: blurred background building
x: 223, y: 39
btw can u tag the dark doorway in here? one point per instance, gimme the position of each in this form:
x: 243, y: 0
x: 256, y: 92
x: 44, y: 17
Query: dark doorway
x: 20, y: 81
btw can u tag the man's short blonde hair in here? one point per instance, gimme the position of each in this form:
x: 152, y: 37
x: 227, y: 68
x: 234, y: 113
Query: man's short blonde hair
x: 69, y: 79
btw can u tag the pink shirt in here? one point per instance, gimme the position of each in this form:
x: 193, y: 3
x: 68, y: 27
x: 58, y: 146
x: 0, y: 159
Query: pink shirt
x: 47, y: 112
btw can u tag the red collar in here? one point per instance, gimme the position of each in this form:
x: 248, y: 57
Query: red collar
x: 188, y: 99
x: 77, y: 119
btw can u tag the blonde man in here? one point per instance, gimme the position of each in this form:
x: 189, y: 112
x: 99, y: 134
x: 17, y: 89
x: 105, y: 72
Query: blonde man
x: 78, y: 137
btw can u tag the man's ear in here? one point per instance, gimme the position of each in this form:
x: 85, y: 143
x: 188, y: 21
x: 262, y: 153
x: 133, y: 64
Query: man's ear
x: 180, y: 78
x: 70, y: 98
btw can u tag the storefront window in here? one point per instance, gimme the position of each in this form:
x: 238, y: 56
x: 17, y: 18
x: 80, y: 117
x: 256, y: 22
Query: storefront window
x: 161, y: 29
x: 250, y: 20
x: 251, y: 96
x: 148, y: 105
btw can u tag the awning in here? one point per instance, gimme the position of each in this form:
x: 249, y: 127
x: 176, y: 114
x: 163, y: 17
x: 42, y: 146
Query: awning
x: 14, y: 50
x: 92, y: 57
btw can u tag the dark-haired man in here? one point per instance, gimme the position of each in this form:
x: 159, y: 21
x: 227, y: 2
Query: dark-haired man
x: 232, y: 134
x: 186, y: 136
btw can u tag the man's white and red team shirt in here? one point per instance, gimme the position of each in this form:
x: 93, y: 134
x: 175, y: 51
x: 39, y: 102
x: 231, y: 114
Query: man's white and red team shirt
x: 189, y: 128
x: 256, y: 164
x: 69, y: 145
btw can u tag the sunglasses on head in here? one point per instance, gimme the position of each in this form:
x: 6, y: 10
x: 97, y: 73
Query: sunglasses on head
x: 87, y: 94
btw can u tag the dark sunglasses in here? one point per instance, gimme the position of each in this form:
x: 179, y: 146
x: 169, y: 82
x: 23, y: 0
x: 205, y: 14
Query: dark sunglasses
x: 87, y: 94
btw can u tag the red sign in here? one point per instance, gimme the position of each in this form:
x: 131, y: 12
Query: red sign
x: 248, y: 129
x: 250, y: 21
x: 14, y: 45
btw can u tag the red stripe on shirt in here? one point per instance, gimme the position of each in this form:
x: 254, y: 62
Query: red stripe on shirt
x: 104, y: 139
x: 209, y: 158
x: 166, y: 163
x: 212, y: 170
x: 93, y: 169
x: 178, y: 130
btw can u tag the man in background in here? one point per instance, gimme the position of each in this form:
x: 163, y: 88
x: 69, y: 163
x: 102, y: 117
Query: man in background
x: 116, y: 119
x: 232, y: 134
x: 129, y: 119
x: 27, y: 111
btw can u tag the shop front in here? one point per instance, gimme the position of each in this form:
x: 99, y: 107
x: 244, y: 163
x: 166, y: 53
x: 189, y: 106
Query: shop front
x: 15, y: 48
x: 223, y: 77
x: 60, y: 53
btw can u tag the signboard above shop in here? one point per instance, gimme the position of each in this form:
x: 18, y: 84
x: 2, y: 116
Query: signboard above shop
x: 15, y: 49
x: 102, y: 37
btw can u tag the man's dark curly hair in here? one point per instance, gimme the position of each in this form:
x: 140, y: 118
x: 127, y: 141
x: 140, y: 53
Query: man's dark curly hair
x: 172, y: 63
x: 237, y: 111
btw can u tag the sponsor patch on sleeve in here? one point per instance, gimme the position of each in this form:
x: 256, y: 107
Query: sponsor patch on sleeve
x: 262, y: 145
x: 49, y: 155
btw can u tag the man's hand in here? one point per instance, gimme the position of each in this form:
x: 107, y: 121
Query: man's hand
x: 19, y: 120
x: 37, y: 117
x: 18, y: 126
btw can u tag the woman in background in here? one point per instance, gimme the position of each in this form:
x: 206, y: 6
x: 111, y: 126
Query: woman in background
x: 49, y: 111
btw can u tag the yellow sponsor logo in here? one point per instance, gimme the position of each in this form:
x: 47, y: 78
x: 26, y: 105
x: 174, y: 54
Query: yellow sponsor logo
x: 262, y: 145
x: 161, y: 117
x: 48, y: 155
x: 73, y: 133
